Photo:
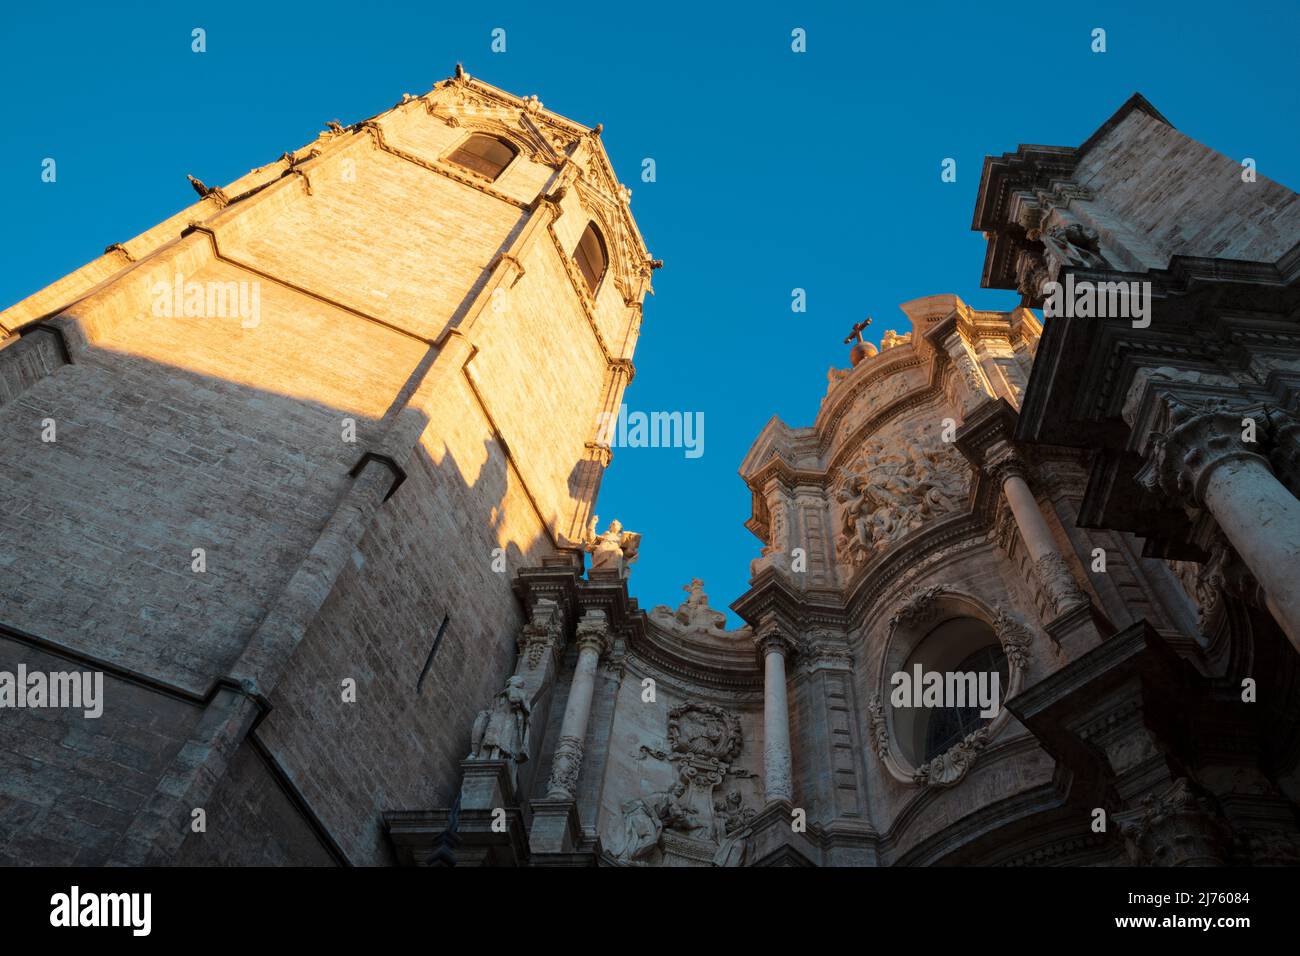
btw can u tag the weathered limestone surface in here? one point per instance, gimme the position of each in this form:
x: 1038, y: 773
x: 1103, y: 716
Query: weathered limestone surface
x: 436, y: 314
x: 1189, y: 200
x: 396, y: 638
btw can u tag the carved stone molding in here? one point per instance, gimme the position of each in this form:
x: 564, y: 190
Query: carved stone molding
x: 824, y: 651
x: 1060, y: 587
x: 1176, y: 827
x: 565, y: 766
x: 1201, y: 437
x: 910, y: 623
x: 704, y: 730
x: 593, y: 632
x: 918, y: 606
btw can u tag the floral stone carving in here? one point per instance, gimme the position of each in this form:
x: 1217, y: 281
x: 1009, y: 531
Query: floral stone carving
x: 950, y: 767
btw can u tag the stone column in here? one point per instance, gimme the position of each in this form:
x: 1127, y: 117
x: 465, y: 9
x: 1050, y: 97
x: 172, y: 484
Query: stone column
x: 592, y: 639
x: 1049, y: 565
x: 1202, y: 462
x: 775, y: 648
x: 1176, y: 827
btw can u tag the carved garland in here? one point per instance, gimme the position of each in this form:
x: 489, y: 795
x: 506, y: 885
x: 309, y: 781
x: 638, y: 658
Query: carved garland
x: 919, y: 606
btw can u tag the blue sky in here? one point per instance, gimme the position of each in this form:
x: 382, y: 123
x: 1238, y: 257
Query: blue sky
x: 775, y: 170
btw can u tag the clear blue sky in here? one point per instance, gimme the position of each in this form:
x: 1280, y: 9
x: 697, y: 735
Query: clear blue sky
x: 775, y: 170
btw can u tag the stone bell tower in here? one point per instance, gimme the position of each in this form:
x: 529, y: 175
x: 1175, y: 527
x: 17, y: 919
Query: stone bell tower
x: 307, y: 430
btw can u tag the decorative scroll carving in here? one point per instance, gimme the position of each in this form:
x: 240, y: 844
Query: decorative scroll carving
x: 919, y: 606
x: 1175, y: 828
x: 952, y: 765
x: 705, y: 731
x: 878, y: 729
x: 1062, y: 589
x: 1015, y: 638
x: 887, y: 493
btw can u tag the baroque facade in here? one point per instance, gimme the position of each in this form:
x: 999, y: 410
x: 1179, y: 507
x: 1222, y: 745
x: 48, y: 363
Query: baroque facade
x: 1101, y: 513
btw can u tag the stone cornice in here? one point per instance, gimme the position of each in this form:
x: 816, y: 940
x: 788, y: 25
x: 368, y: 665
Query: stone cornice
x: 773, y: 595
x: 992, y: 423
x: 529, y: 111
x: 1031, y: 171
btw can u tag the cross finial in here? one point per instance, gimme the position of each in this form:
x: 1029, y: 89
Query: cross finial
x: 856, y: 331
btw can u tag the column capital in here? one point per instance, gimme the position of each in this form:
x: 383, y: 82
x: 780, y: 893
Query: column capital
x: 773, y: 637
x: 543, y: 635
x: 1176, y: 827
x: 1003, y: 460
x: 1201, y: 437
x: 593, y: 633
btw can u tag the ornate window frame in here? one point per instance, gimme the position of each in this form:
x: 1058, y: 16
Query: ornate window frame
x: 921, y: 610
x: 495, y: 131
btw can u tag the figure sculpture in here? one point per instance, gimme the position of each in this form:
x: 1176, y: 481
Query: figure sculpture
x: 501, y: 731
x: 615, y: 550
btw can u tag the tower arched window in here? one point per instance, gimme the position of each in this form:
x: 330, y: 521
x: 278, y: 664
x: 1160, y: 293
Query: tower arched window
x: 591, y: 256
x: 484, y: 154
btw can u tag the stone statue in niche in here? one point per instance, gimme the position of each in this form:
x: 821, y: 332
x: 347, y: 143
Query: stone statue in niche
x: 614, y: 550
x: 889, y: 492
x: 501, y: 732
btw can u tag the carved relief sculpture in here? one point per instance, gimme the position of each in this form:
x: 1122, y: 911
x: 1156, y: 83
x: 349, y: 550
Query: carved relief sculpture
x: 684, y: 820
x: 889, y: 492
